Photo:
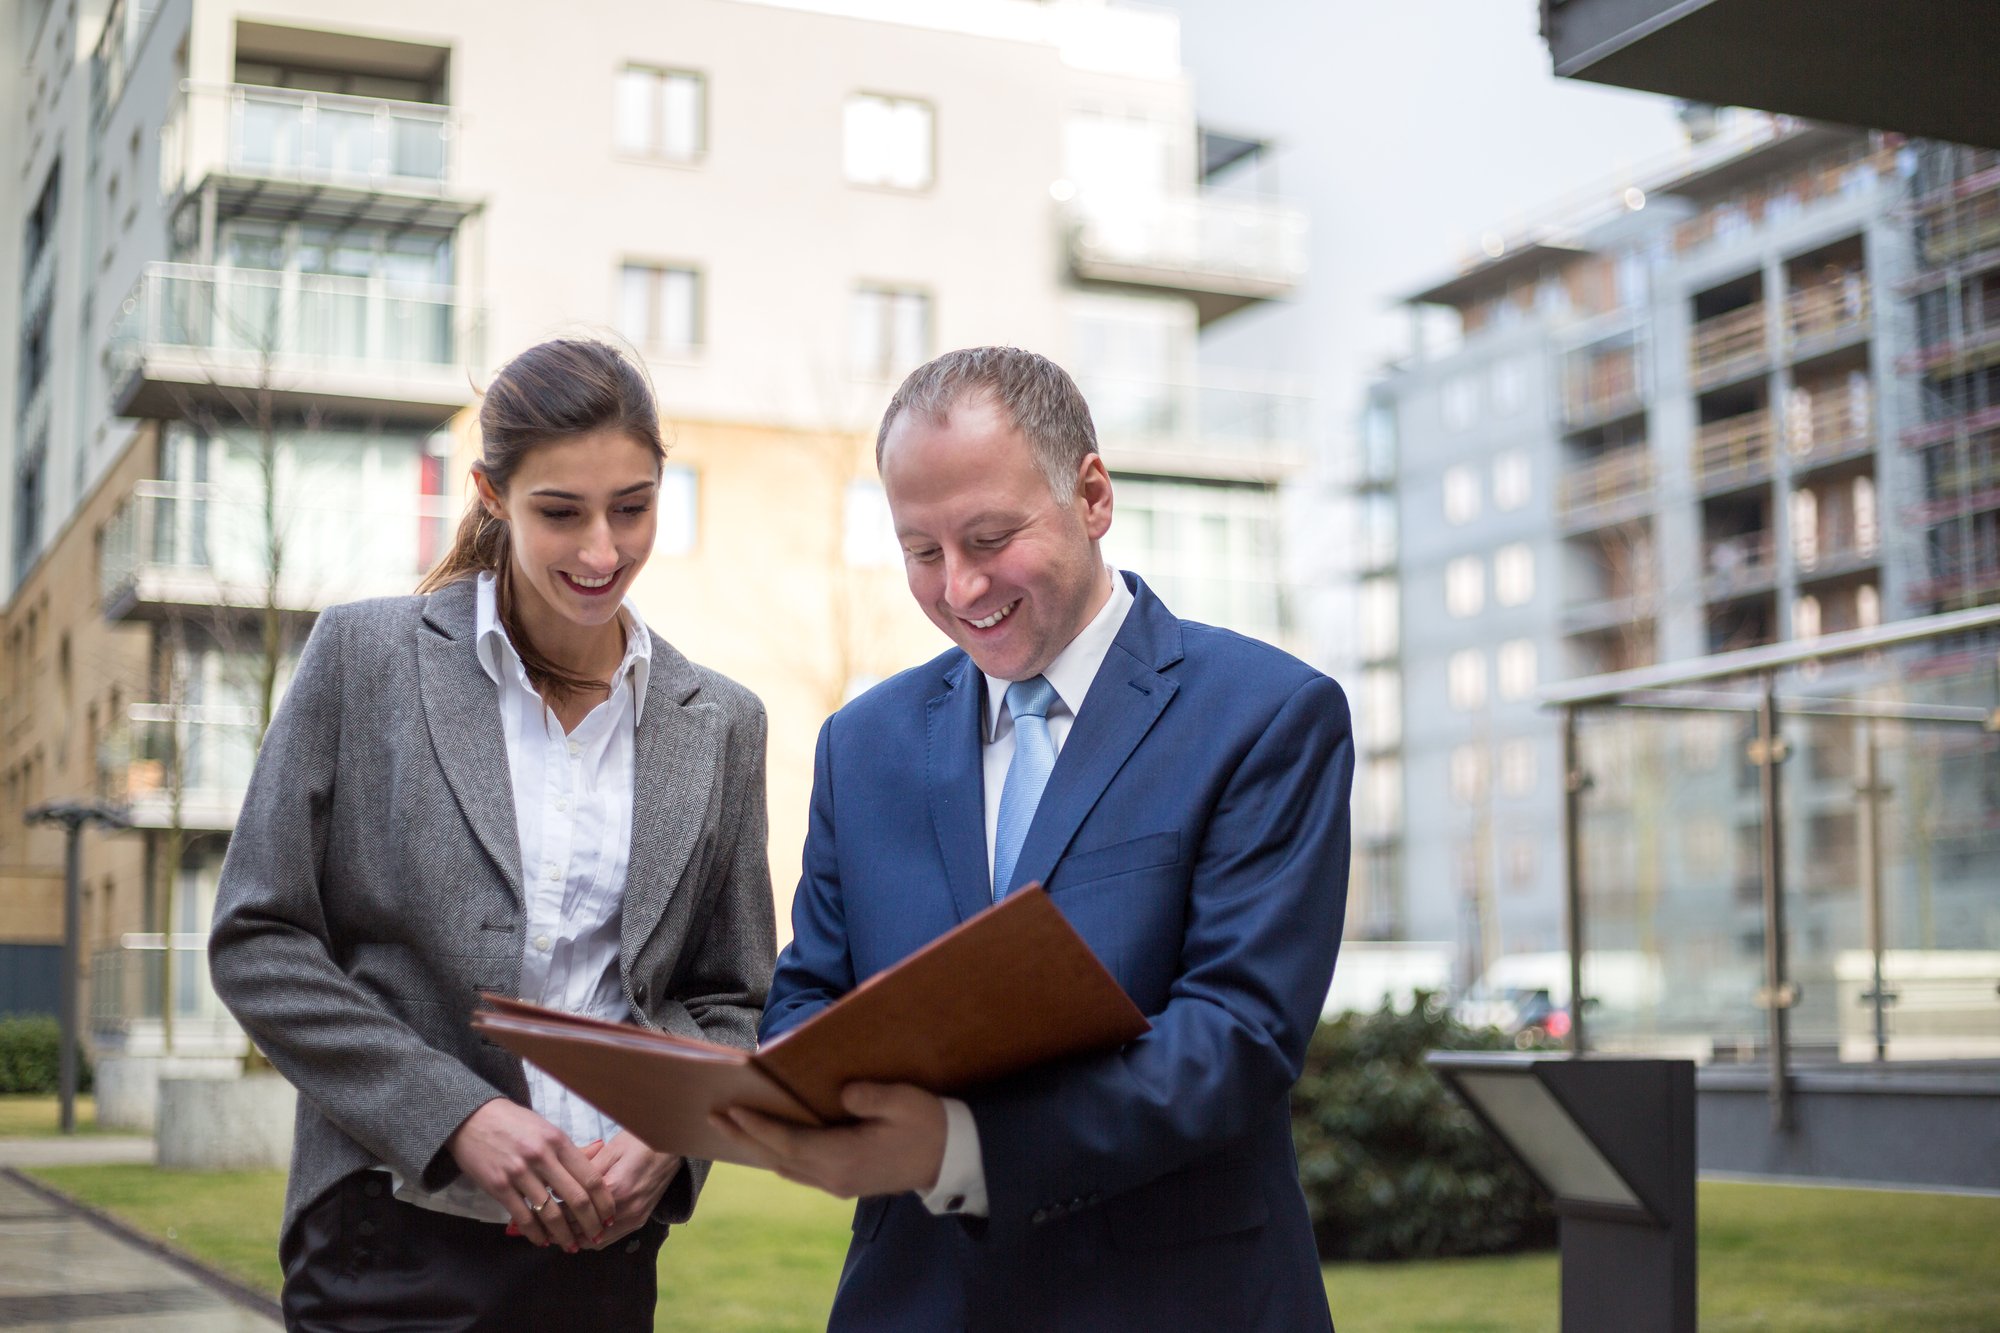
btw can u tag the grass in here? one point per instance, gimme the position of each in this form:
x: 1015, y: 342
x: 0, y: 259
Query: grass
x: 39, y: 1116
x: 763, y: 1255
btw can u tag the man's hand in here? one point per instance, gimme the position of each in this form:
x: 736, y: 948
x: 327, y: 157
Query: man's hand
x: 637, y: 1178
x: 522, y: 1160
x: 899, y: 1144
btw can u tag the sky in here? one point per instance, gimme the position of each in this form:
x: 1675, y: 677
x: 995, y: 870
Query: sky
x: 1406, y: 128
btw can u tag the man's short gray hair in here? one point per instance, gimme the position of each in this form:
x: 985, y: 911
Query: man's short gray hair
x: 1037, y: 394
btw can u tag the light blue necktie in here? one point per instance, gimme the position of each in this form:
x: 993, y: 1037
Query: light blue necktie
x: 1034, y: 755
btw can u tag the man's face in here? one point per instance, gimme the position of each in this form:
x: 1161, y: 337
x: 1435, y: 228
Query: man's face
x: 996, y: 563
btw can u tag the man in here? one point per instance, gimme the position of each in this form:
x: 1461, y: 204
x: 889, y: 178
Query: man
x: 1181, y: 792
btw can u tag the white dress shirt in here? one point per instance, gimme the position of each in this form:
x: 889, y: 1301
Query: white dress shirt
x: 961, y: 1183
x: 573, y: 815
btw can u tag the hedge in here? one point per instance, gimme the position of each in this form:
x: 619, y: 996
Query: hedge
x: 1394, y: 1166
x: 31, y: 1056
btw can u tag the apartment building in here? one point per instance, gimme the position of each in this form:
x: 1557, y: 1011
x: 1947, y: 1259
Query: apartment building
x: 266, y: 257
x: 1666, y: 426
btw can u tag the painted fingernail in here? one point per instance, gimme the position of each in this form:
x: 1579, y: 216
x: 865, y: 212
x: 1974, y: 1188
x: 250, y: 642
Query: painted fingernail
x: 570, y: 1249
x: 513, y: 1230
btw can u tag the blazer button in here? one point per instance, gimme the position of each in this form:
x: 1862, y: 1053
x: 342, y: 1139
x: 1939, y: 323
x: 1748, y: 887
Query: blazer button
x: 1039, y: 1216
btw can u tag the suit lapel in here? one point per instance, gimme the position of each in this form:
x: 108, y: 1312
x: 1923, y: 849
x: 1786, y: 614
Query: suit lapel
x: 1123, y: 702
x: 462, y: 711
x: 955, y: 778
x: 676, y: 751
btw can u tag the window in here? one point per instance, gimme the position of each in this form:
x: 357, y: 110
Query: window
x: 888, y: 141
x: 1468, y: 774
x: 659, y: 308
x: 679, y: 510
x: 1378, y: 618
x: 1805, y: 618
x: 1516, y: 668
x: 1510, y: 386
x: 1517, y: 766
x: 1465, y: 586
x: 1379, y: 720
x: 662, y: 113
x: 1513, y: 574
x: 892, y: 331
x: 1382, y: 796
x: 1511, y: 480
x: 1468, y: 679
x: 1461, y: 494
x: 1520, y: 862
x: 868, y: 533
x: 1461, y: 401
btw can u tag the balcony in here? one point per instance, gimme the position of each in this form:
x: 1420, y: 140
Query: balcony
x: 1735, y: 451
x: 187, y: 765
x: 197, y: 545
x: 1610, y: 488
x: 370, y: 144
x: 1250, y: 428
x: 1739, y: 565
x: 1728, y: 347
x: 127, y: 991
x: 1837, y: 426
x: 1826, y: 316
x: 1975, y: 347
x: 1602, y: 388
x: 1225, y: 253
x: 1970, y: 424
x: 1600, y: 612
x: 190, y: 335
x: 1835, y: 548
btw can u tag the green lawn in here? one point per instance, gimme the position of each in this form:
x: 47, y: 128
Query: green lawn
x: 22, y: 1117
x: 762, y: 1256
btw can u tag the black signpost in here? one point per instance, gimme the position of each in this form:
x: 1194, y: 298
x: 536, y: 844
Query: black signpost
x: 1611, y: 1140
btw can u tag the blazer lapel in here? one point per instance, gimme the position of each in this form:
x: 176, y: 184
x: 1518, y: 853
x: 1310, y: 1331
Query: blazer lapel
x: 462, y: 711
x: 1124, y: 701
x: 676, y: 751
x: 955, y: 778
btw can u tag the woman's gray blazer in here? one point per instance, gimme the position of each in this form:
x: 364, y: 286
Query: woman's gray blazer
x: 372, y: 888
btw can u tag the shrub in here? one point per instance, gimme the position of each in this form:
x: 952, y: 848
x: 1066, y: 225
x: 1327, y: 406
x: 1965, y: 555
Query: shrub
x: 1394, y: 1166
x: 30, y: 1056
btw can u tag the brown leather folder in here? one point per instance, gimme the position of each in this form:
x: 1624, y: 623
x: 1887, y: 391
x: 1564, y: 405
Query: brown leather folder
x: 1009, y: 989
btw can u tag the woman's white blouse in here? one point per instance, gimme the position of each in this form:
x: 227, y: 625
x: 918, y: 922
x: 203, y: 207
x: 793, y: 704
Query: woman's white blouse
x: 573, y: 811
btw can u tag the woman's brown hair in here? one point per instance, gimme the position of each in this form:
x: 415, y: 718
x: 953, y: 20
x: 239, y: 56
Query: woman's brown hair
x: 552, y: 391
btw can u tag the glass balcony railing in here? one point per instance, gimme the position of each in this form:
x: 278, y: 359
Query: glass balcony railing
x: 1227, y: 424
x: 1208, y: 243
x: 1728, y: 345
x: 202, y: 544
x: 325, y: 138
x: 1605, y: 485
x: 186, y: 330
x: 128, y: 986
x: 187, y: 765
x: 1734, y: 450
x: 1887, y: 888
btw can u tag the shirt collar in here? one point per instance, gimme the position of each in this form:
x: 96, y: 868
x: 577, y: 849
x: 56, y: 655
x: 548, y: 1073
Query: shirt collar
x: 497, y: 654
x: 1076, y: 666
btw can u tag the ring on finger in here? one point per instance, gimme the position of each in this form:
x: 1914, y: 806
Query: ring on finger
x: 553, y: 1198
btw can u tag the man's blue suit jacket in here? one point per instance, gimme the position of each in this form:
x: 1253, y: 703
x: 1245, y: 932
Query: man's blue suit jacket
x: 1195, y: 832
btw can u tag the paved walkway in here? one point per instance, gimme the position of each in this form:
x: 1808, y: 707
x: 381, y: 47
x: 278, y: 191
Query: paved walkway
x: 65, y: 1268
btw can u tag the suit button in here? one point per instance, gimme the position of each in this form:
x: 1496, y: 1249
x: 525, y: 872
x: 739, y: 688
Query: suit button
x: 373, y: 1189
x: 1039, y: 1216
x: 632, y: 1246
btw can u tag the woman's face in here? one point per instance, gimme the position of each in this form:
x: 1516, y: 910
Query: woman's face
x: 583, y: 513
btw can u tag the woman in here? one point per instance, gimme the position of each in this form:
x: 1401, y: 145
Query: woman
x: 505, y: 783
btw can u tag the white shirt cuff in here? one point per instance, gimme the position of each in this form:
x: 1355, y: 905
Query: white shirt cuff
x: 961, y: 1182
